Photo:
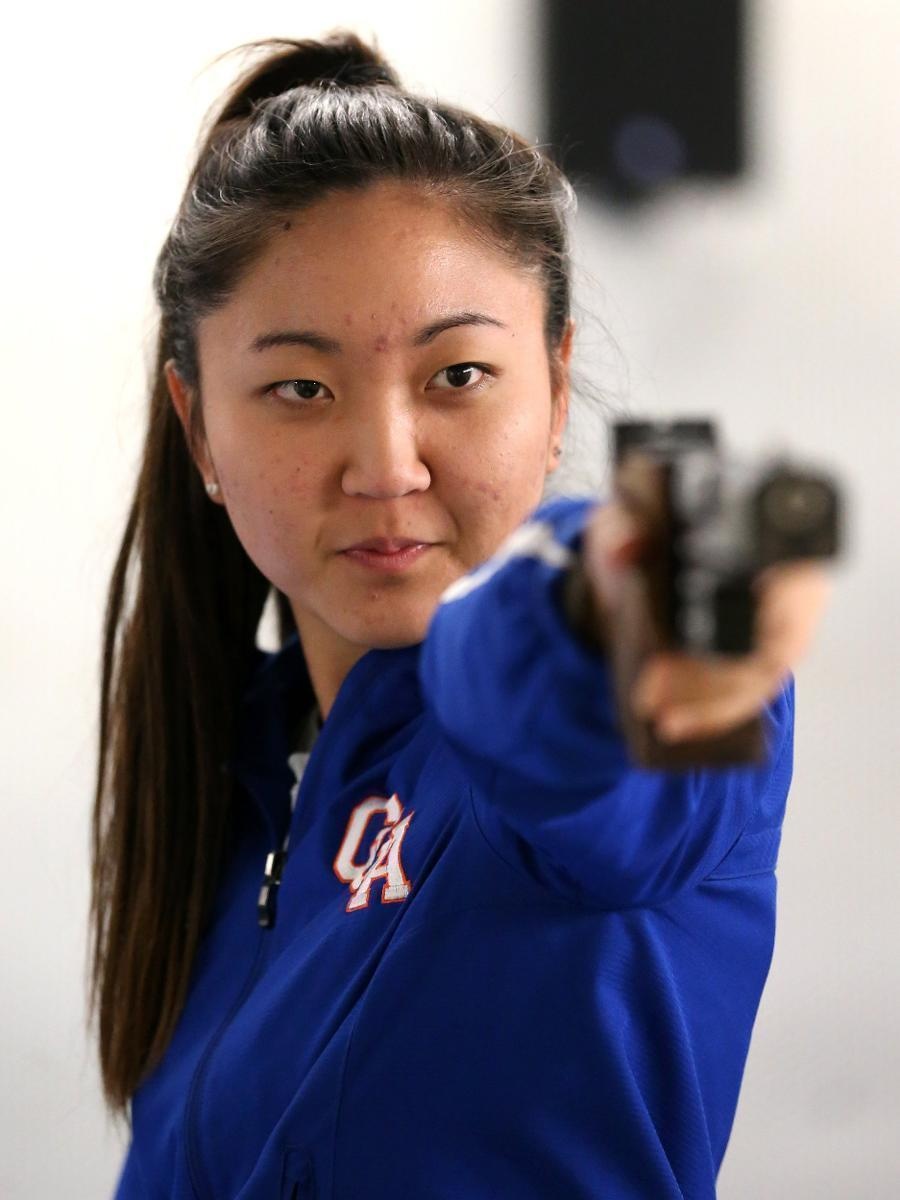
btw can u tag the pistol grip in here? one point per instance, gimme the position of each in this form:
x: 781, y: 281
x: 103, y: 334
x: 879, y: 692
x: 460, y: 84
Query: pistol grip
x: 634, y: 637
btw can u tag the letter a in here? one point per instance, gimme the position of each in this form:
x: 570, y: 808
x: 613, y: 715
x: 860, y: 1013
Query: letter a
x: 384, y: 865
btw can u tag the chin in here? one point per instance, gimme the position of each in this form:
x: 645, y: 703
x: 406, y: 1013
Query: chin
x: 394, y: 631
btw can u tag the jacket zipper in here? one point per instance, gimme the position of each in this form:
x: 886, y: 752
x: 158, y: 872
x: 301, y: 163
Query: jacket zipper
x: 266, y: 907
x: 266, y: 902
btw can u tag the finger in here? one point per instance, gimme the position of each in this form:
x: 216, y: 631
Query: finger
x: 792, y: 597
x: 613, y: 541
x: 709, y: 694
x: 671, y: 678
x: 710, y: 718
x: 614, y: 535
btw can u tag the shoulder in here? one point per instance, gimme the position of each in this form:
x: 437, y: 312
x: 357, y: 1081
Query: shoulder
x: 566, y: 513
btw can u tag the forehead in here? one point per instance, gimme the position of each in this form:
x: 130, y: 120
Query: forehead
x: 372, y: 263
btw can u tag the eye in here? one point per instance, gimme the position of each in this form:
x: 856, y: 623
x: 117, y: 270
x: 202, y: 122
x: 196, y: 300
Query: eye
x: 300, y: 389
x: 459, y: 377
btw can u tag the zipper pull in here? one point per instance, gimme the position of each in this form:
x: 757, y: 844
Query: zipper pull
x: 265, y: 905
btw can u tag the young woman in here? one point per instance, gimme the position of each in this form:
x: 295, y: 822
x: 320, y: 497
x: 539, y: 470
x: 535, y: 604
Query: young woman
x: 391, y: 912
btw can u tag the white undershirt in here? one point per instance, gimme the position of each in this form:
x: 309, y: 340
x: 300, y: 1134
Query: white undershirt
x: 298, y: 760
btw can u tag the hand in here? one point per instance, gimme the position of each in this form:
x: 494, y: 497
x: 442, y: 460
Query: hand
x: 689, y: 696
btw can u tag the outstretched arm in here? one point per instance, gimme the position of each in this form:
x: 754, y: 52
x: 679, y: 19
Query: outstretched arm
x: 530, y: 708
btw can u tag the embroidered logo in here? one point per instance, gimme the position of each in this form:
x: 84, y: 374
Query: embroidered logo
x: 384, y: 854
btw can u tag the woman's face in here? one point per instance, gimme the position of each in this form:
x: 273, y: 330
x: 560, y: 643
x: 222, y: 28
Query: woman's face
x: 408, y: 395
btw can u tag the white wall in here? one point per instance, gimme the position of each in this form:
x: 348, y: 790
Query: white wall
x: 772, y: 307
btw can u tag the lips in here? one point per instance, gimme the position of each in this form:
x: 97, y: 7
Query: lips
x: 386, y: 545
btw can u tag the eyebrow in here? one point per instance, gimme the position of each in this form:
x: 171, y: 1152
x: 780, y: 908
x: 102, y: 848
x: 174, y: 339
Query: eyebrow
x: 328, y: 345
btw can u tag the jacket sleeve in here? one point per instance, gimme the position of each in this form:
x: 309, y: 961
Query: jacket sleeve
x: 529, y: 707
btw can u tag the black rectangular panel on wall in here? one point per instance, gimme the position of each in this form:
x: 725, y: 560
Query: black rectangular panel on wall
x: 641, y: 93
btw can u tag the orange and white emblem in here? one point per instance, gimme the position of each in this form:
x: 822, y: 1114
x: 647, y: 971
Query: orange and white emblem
x: 384, y: 855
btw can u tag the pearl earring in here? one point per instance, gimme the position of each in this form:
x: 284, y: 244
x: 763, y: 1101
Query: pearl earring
x: 212, y: 488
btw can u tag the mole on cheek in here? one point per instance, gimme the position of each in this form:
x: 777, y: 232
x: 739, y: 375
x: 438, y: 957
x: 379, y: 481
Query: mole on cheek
x: 299, y: 483
x: 487, y: 490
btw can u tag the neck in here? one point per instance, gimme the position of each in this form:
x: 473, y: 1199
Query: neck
x: 329, y: 660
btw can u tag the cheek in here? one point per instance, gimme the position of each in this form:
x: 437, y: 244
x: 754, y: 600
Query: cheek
x: 267, y: 496
x: 509, y: 458
x: 489, y: 491
x: 262, y: 468
x: 477, y: 474
x: 498, y: 477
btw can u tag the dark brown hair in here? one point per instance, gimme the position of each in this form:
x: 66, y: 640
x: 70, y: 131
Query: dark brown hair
x: 185, y: 601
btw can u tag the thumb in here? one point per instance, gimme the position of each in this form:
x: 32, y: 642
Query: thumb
x: 614, y: 540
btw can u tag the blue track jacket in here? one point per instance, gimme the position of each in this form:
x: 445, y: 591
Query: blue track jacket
x: 506, y: 962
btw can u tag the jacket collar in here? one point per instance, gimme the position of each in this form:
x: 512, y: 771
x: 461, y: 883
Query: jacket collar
x: 379, y: 694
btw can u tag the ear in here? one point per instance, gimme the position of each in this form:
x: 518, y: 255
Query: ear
x: 183, y: 400
x: 561, y: 394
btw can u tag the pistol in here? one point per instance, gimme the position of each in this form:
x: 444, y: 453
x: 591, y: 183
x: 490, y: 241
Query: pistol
x: 712, y: 526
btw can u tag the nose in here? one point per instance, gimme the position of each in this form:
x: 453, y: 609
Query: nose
x: 382, y: 457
